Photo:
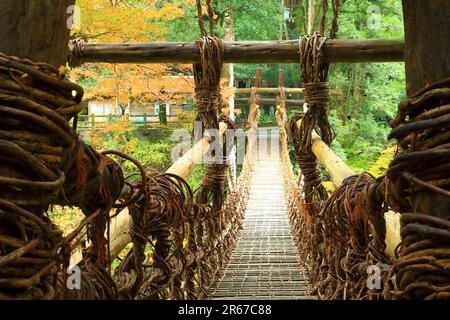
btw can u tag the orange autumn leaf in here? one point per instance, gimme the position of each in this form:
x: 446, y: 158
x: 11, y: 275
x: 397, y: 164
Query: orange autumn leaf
x: 120, y: 21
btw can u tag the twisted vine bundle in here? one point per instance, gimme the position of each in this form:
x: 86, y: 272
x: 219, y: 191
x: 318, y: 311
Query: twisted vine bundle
x: 343, y: 238
x: 314, y: 73
x: 207, y: 81
x: 296, y: 206
x: 210, y: 196
x: 314, y: 192
x: 254, y: 112
x: 280, y: 114
x: 314, y: 77
x: 340, y: 236
x: 35, y: 141
x: 347, y: 239
x: 418, y: 185
x: 44, y: 163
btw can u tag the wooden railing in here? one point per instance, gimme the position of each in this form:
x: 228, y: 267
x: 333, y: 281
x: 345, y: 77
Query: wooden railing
x: 339, y: 171
x: 93, y: 121
x: 120, y: 225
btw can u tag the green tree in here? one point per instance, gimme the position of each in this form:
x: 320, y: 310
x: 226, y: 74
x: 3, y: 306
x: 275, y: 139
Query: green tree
x: 371, y: 92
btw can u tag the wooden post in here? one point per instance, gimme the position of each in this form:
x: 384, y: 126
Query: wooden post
x: 162, y: 115
x: 228, y: 68
x: 281, y: 78
x: 427, y: 25
x: 281, y: 99
x: 183, y: 166
x: 36, y: 30
x: 282, y: 20
x: 145, y: 120
x: 93, y: 120
x: 258, y: 78
x: 334, y: 165
x: 427, y: 60
x: 258, y: 83
x: 311, y: 16
x: 269, y: 101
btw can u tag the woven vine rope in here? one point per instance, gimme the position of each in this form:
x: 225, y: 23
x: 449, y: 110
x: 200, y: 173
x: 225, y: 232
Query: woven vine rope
x: 339, y: 236
x: 254, y: 112
x: 45, y: 163
x: 418, y: 186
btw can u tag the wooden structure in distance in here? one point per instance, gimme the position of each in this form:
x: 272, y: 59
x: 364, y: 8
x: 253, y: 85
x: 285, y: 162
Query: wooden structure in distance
x: 269, y: 102
x: 333, y: 92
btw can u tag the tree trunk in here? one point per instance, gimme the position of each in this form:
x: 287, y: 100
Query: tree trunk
x: 39, y: 30
x: 36, y: 30
x: 258, y: 78
x: 228, y: 68
x: 421, y: 271
x: 118, y: 108
x: 282, y: 19
x: 427, y: 59
x: 356, y: 91
x: 163, y: 114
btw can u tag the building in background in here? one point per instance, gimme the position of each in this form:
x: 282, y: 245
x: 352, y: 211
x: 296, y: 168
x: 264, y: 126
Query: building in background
x: 173, y: 92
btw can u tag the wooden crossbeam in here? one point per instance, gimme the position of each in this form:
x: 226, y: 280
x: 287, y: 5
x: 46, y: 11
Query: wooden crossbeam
x: 333, y: 92
x: 334, y: 51
x: 268, y: 102
x: 269, y: 90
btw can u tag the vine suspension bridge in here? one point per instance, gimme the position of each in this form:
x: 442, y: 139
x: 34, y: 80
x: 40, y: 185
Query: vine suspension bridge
x: 270, y: 232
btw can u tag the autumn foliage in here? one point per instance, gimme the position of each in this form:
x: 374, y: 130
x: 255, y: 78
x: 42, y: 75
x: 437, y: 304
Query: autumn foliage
x: 130, y: 21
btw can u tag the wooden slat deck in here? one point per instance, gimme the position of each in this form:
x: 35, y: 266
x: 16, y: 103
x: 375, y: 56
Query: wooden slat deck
x: 265, y: 262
